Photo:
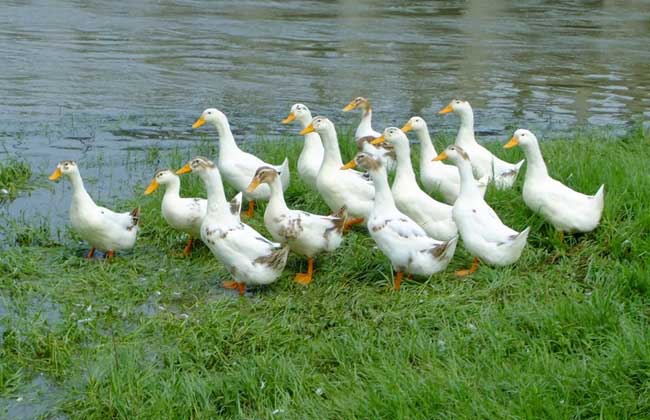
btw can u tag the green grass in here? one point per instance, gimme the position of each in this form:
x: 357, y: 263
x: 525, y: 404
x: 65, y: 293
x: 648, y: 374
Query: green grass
x: 14, y: 177
x: 563, y: 333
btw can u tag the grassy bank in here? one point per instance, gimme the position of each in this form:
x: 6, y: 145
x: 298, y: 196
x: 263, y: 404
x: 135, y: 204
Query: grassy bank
x: 561, y: 334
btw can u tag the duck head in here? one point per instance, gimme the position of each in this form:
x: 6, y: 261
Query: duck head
x: 523, y: 138
x: 198, y: 165
x: 392, y: 135
x: 211, y: 115
x: 455, y: 154
x: 298, y: 112
x: 359, y: 102
x: 162, y: 177
x: 319, y: 125
x: 263, y: 175
x: 457, y: 106
x: 65, y: 167
x: 415, y: 123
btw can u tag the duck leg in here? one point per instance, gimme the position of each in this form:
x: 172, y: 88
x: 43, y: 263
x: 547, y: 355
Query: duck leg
x: 305, y: 278
x: 251, y: 208
x: 110, y: 255
x: 351, y: 222
x: 242, y: 288
x: 398, y: 281
x: 188, y: 248
x: 468, y: 271
x: 91, y: 253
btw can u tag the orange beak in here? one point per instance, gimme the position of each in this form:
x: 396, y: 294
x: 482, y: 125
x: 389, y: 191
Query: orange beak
x: 441, y: 156
x: 446, y: 110
x: 290, y: 118
x: 407, y: 127
x: 378, y: 140
x: 512, y: 143
x: 308, y: 129
x: 152, y: 187
x: 198, y: 123
x: 184, y: 170
x: 251, y: 187
x: 349, y: 107
x: 351, y: 164
x: 56, y: 174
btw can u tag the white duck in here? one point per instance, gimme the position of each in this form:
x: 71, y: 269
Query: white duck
x: 102, y: 228
x: 311, y: 156
x: 484, y: 162
x: 433, y: 216
x: 365, y: 134
x: 183, y: 214
x: 484, y: 234
x: 567, y: 210
x: 398, y: 237
x: 248, y: 256
x: 436, y: 176
x: 306, y: 233
x: 237, y: 166
x: 340, y: 189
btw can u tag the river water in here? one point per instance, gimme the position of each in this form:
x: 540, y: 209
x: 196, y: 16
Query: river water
x: 88, y: 78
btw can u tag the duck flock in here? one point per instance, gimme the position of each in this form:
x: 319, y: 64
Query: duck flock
x: 417, y: 233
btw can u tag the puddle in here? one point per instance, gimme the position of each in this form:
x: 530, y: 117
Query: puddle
x: 35, y: 400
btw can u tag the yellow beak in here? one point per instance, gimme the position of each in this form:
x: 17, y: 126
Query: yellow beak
x: 290, y: 118
x: 441, y: 156
x: 446, y: 110
x: 512, y: 143
x: 378, y: 140
x: 199, y: 122
x: 407, y: 127
x: 351, y: 164
x: 56, y: 174
x: 349, y: 107
x: 251, y: 187
x: 308, y: 129
x: 184, y: 170
x: 152, y: 187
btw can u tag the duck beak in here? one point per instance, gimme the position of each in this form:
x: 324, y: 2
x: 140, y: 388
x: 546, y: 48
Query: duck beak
x: 441, y: 156
x: 446, y: 110
x: 184, y: 170
x: 351, y: 164
x: 512, y: 143
x: 349, y: 107
x: 290, y: 118
x: 308, y: 129
x: 152, y: 187
x: 198, y: 123
x: 407, y: 127
x: 56, y: 174
x: 254, y: 183
x: 378, y: 140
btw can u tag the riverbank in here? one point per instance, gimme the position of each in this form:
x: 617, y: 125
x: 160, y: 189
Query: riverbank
x: 562, y: 333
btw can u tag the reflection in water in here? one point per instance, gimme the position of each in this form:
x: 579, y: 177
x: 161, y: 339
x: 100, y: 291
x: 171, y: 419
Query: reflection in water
x: 97, y: 70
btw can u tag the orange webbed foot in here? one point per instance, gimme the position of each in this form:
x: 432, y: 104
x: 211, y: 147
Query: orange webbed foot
x: 468, y: 271
x: 303, y: 278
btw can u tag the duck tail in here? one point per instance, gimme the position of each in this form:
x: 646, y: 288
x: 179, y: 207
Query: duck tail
x: 445, y: 251
x: 135, y: 218
x: 285, y: 175
x: 599, y: 197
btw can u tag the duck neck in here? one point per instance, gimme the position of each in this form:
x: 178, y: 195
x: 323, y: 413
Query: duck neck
x: 331, y: 144
x: 79, y: 193
x: 226, y: 139
x: 466, y: 131
x: 536, y: 164
x: 276, y: 201
x: 214, y: 186
x: 312, y: 140
x: 366, y: 123
x: 404, y: 174
x: 427, y: 151
x: 468, y: 185
x: 383, y: 196
x: 172, y: 189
